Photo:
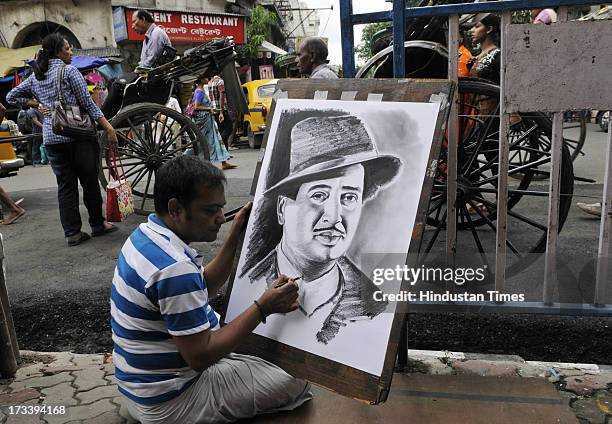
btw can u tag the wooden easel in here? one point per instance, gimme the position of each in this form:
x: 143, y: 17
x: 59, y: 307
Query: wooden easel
x: 333, y: 375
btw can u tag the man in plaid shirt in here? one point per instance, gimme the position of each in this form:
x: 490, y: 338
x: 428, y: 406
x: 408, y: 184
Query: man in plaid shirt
x: 218, y: 101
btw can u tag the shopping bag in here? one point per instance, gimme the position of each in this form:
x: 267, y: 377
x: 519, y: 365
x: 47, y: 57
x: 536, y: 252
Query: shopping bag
x: 119, y: 199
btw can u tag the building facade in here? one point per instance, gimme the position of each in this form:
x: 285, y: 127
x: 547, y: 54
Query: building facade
x: 86, y: 24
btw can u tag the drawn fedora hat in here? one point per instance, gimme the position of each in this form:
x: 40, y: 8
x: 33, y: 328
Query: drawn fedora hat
x: 322, y: 145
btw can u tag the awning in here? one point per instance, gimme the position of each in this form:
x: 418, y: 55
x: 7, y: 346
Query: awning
x: 13, y: 59
x: 106, y: 52
x: 269, y: 47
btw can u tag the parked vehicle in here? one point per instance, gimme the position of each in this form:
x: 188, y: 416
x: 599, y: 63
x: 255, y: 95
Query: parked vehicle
x: 9, y: 162
x: 259, y: 94
x: 603, y: 117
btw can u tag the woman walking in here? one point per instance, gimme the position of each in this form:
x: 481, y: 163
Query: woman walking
x: 205, y: 121
x: 486, y: 33
x: 72, y: 160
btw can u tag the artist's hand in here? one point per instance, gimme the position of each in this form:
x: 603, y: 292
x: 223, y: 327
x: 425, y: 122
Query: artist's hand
x: 241, y: 218
x: 280, y: 300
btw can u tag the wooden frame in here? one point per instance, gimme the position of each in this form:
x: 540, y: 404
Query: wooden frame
x: 332, y: 375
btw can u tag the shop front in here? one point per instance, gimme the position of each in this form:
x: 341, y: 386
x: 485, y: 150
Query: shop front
x: 185, y: 29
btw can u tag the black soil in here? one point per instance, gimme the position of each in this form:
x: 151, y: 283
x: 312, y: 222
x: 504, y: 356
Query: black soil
x: 79, y: 321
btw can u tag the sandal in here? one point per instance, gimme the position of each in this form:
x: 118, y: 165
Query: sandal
x: 100, y: 230
x: 229, y: 166
x: 77, y: 239
x: 14, y: 217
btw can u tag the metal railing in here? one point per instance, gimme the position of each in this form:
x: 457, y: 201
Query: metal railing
x: 398, y: 16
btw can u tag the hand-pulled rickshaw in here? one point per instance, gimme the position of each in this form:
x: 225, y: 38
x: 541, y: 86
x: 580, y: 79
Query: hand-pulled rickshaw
x: 426, y: 56
x: 149, y: 133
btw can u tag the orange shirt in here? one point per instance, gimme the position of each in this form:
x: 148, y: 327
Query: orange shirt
x: 464, y: 57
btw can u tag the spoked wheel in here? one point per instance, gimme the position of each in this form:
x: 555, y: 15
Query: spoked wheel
x: 478, y: 160
x: 148, y: 136
x: 574, y: 133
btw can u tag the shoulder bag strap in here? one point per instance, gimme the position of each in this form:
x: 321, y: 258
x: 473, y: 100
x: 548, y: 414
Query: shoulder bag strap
x: 59, y: 85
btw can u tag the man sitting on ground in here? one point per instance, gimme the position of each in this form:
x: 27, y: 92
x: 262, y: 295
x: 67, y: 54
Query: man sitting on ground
x: 173, y: 362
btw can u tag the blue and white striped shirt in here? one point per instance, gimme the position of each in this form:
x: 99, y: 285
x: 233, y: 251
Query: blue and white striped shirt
x: 74, y: 89
x: 158, y: 292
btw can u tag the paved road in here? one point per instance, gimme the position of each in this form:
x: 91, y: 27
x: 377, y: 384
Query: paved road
x: 37, y: 256
x: 35, y: 245
x: 43, y: 273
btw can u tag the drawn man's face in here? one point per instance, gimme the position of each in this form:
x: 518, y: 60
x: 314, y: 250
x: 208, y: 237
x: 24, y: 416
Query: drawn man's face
x: 320, y: 223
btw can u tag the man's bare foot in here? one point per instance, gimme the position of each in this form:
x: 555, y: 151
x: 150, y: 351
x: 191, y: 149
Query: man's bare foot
x: 227, y: 165
x: 13, y: 216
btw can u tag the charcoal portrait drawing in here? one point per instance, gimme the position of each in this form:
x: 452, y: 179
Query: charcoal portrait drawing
x: 315, y: 212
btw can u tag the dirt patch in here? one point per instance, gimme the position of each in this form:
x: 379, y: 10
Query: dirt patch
x: 30, y: 359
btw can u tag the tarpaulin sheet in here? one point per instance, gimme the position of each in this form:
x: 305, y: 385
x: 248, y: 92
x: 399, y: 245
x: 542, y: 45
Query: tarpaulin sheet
x: 13, y: 59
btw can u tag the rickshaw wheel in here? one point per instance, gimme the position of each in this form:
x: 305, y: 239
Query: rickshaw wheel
x: 148, y: 135
x: 477, y: 179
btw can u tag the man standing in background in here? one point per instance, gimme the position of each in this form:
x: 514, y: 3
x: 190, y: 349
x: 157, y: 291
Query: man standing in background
x: 38, y: 154
x: 312, y: 59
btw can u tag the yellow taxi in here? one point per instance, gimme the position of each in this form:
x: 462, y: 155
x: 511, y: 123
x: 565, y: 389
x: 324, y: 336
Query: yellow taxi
x: 259, y: 94
x: 9, y: 162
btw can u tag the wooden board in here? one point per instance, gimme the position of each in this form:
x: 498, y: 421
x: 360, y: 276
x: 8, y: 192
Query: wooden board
x: 573, y: 60
x: 327, y: 373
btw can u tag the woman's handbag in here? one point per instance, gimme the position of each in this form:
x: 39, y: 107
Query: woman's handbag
x: 68, y: 120
x: 119, y: 199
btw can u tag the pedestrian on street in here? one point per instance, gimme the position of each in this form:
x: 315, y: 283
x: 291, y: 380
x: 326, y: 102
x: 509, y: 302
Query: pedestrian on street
x: 72, y: 160
x: 39, y: 156
x: 218, y: 101
x: 312, y: 59
x: 486, y: 33
x: 203, y: 117
x: 173, y: 361
x: 544, y: 16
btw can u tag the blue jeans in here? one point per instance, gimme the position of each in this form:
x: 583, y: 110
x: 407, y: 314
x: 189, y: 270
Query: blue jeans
x: 36, y: 153
x: 72, y: 163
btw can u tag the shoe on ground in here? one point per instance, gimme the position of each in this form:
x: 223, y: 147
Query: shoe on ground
x: 590, y: 208
x: 101, y: 230
x: 232, y: 148
x: 229, y: 166
x: 77, y: 239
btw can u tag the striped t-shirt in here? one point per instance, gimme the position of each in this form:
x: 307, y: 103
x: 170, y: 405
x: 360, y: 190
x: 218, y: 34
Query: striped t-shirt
x: 158, y: 292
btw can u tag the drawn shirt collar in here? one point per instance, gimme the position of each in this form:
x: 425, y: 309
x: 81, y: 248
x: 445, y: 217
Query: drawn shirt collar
x: 313, y: 294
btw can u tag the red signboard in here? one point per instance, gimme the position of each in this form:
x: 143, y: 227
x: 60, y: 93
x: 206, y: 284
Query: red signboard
x: 191, y: 27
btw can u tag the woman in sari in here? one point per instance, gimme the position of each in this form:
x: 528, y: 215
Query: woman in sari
x: 205, y: 121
